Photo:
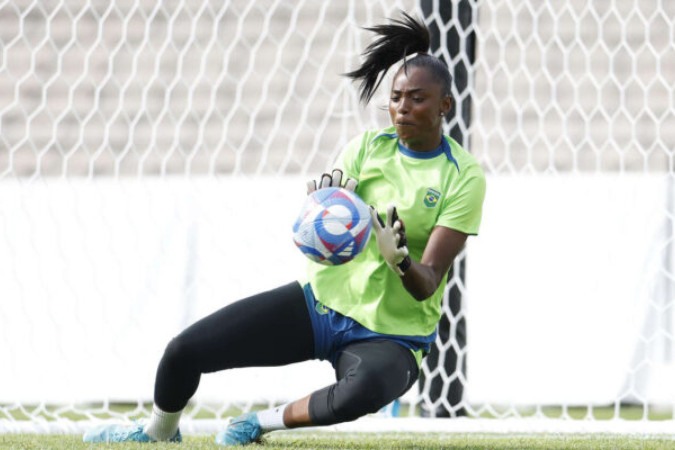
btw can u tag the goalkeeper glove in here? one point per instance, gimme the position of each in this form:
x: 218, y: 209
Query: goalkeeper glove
x: 391, y: 240
x: 333, y: 179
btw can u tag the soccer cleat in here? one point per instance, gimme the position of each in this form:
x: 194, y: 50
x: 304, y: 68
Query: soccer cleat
x: 242, y: 430
x: 122, y: 433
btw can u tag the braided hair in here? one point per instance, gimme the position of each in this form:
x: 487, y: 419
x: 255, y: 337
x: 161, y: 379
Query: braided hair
x: 398, y: 39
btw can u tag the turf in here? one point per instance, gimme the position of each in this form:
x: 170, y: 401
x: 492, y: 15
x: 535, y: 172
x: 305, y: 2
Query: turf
x: 389, y: 441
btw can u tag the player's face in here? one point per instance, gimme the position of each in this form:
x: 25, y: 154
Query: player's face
x: 416, y: 105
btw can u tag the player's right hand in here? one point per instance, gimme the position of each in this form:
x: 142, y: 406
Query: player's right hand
x: 391, y: 239
x: 333, y: 179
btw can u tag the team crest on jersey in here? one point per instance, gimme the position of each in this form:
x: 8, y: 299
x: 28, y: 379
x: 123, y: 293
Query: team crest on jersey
x: 431, y: 198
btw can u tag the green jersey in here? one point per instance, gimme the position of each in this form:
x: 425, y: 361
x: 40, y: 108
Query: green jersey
x: 444, y: 187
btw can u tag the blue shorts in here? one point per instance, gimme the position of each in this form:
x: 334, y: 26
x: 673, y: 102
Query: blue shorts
x: 333, y: 331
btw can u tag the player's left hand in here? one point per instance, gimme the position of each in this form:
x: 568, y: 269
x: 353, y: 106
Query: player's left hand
x: 391, y: 240
x: 333, y: 179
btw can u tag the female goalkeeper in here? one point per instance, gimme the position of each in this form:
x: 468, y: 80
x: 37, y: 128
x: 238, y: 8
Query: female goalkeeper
x: 373, y: 318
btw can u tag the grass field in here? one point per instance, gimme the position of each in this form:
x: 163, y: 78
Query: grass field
x: 341, y: 440
x: 389, y: 441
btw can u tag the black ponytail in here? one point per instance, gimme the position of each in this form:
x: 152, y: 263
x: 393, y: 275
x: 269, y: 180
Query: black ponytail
x: 400, y: 38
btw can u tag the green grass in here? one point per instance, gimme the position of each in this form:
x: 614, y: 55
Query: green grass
x: 389, y: 441
x: 351, y: 441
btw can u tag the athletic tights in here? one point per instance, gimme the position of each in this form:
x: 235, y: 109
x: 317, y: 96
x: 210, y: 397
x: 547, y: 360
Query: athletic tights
x: 274, y: 328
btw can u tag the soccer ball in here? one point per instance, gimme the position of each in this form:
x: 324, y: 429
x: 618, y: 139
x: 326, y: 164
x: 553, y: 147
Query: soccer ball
x: 333, y: 226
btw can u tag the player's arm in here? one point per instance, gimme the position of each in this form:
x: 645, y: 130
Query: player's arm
x: 422, y: 278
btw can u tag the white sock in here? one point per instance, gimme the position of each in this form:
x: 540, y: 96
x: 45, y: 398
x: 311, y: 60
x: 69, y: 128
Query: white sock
x: 273, y: 418
x: 162, y: 426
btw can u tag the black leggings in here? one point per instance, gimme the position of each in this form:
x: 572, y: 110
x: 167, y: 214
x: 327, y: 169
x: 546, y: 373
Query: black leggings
x: 274, y: 329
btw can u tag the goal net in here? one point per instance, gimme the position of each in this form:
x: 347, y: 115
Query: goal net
x: 153, y: 156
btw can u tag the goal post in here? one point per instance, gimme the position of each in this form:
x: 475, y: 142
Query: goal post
x: 144, y: 147
x: 443, y: 374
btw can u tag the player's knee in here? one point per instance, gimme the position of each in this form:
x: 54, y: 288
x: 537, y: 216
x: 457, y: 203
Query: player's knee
x: 354, y: 407
x: 349, y: 399
x: 366, y: 394
x: 177, y: 353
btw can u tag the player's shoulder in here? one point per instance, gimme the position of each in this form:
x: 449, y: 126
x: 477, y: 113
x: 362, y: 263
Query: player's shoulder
x: 369, y: 141
x: 466, y: 162
x: 375, y: 140
x: 378, y: 136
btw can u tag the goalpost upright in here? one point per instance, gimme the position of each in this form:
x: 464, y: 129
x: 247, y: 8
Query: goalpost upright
x: 443, y: 375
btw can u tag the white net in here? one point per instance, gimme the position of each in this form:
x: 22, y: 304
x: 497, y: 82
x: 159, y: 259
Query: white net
x: 140, y: 88
x: 144, y: 147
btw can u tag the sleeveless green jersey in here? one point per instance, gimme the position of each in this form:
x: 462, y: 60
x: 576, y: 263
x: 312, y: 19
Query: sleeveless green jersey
x: 444, y: 187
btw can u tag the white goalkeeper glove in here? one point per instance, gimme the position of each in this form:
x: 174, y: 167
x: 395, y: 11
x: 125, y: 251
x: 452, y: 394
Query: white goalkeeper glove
x: 391, y: 240
x: 333, y: 179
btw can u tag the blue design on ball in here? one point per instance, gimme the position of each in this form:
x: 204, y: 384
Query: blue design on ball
x: 333, y: 226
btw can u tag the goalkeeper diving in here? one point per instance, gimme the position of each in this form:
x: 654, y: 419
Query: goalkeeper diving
x: 374, y: 318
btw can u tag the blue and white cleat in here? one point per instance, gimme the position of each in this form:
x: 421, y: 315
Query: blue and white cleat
x: 243, y: 430
x: 122, y: 433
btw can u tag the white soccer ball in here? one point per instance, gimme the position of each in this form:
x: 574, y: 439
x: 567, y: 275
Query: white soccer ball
x: 333, y: 226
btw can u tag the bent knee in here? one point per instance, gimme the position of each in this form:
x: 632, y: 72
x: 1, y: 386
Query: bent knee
x: 365, y: 396
x: 177, y: 352
x: 344, y: 402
